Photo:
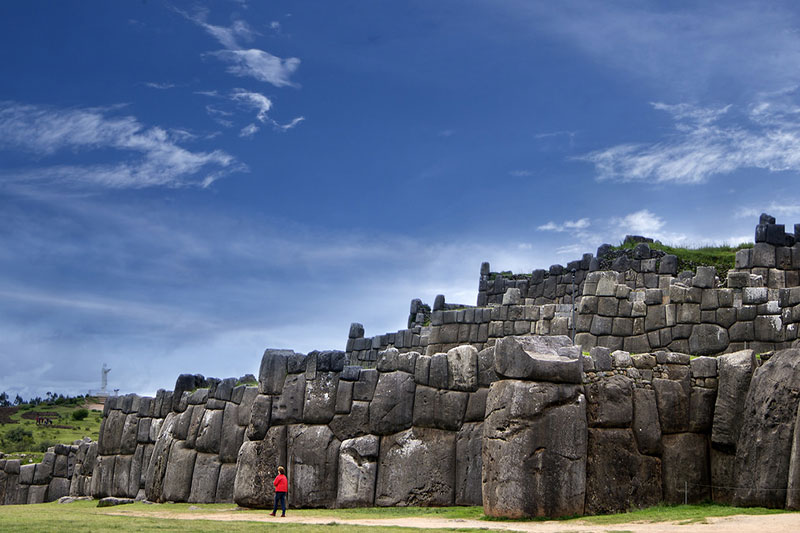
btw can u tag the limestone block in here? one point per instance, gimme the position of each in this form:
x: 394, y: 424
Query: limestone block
x: 392, y: 408
x: 722, y: 476
x: 439, y: 408
x: 320, y: 398
x: 742, y: 332
x: 610, y: 402
x: 353, y: 424
x: 257, y: 467
x: 537, y: 358
x: 601, y: 325
x: 136, y: 473
x: 607, y: 306
x: 708, y: 339
x: 288, y: 407
x: 768, y: 328
x: 672, y: 399
x: 469, y: 464
x: 602, y: 358
x: 37, y: 494
x: 121, y: 482
x: 437, y: 373
x: 178, y: 476
x: 111, y: 432
x: 701, y: 409
x: 358, y: 469
x: 618, y: 477
x: 273, y: 370
x: 735, y: 372
x: 205, y: 477
x: 656, y: 318
x: 403, y: 456
x: 763, y: 255
x: 344, y: 397
x: 208, y: 435
x: 422, y: 369
x: 232, y: 434
x: 44, y: 470
x: 486, y: 373
x: 622, y: 327
x: 364, y: 388
x: 754, y: 295
x: 57, y: 488
x: 685, y: 464
x: 476, y: 405
x: 26, y: 474
x: 462, y: 368
x: 646, y: 424
x: 636, y: 344
x: 260, y: 417
x: 763, y: 450
x: 225, y: 482
x: 704, y: 278
x: 312, y: 458
x: 534, y: 450
x: 704, y: 367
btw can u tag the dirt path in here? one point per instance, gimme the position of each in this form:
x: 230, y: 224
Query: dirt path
x: 778, y: 523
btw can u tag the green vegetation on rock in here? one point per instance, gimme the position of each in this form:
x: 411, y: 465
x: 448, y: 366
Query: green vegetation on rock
x: 722, y: 257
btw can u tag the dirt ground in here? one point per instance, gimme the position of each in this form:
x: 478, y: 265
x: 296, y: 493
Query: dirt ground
x: 777, y: 523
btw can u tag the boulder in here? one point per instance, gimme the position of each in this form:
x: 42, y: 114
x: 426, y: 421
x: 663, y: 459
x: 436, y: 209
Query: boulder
x: 723, y: 478
x: 437, y: 408
x: 358, y: 469
x: 534, y: 450
x: 364, y: 388
x: 735, y: 372
x: 462, y: 368
x: 685, y: 468
x: 618, y: 477
x: 204, y: 479
x: 672, y: 399
x: 208, y: 435
x: 353, y: 424
x: 260, y: 417
x: 273, y: 370
x: 536, y: 358
x: 257, y: 467
x: 708, y: 339
x: 225, y: 482
x: 110, y: 501
x: 701, y: 409
x: 392, y: 408
x: 312, y: 459
x: 178, y: 476
x: 416, y: 468
x: 232, y: 434
x: 610, y: 402
x: 763, y: 450
x: 469, y: 441
x: 320, y: 398
x: 646, y: 424
x: 57, y: 488
x: 288, y: 407
x: 120, y: 486
x: 156, y: 469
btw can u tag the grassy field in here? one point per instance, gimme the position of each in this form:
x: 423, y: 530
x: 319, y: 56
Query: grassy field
x: 86, y: 516
x: 64, y: 429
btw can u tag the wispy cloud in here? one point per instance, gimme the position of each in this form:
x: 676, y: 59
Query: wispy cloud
x: 249, y: 130
x: 246, y: 62
x: 261, y: 104
x: 642, y: 222
x: 707, y: 141
x: 151, y: 156
x: 520, y: 173
x: 161, y: 86
x: 569, y: 225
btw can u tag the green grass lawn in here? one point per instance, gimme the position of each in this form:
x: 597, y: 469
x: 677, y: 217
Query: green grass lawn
x: 64, y: 429
x: 86, y: 516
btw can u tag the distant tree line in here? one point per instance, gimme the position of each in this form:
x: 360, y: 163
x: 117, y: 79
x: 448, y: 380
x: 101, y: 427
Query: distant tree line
x: 51, y: 398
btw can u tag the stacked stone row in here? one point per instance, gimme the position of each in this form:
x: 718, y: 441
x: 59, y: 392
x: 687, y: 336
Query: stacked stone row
x: 363, y: 351
x: 777, y: 266
x: 38, y: 482
x: 85, y: 459
x: 689, y: 316
x: 405, y: 433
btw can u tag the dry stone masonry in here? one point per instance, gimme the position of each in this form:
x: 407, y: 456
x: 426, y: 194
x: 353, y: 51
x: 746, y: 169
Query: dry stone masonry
x: 661, y: 397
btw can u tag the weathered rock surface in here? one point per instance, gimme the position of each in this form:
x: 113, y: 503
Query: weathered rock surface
x: 610, y: 402
x: 312, y: 459
x: 735, y: 372
x: 764, y: 447
x: 646, y: 424
x: 416, y: 467
x: 685, y: 467
x: 257, y: 467
x: 618, y: 477
x: 392, y: 408
x: 536, y: 358
x: 358, y: 469
x: 469, y: 464
x: 534, y: 450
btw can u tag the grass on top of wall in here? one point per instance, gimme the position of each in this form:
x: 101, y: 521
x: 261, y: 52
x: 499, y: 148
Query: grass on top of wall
x: 722, y: 257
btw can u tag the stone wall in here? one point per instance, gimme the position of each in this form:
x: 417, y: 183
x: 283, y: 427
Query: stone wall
x: 39, y: 482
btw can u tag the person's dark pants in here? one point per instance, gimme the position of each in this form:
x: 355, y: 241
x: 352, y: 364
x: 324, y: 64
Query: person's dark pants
x: 280, y: 497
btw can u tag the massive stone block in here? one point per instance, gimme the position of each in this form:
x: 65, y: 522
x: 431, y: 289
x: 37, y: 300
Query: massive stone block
x: 358, y: 469
x: 701, y: 409
x: 257, y: 467
x: 437, y: 408
x: 320, y: 398
x: 120, y: 486
x: 260, y: 417
x: 204, y: 479
x: 469, y: 464
x: 353, y: 424
x: 735, y: 372
x: 273, y: 370
x: 208, y: 435
x: 392, y: 409
x: 537, y: 358
x: 763, y: 450
x: 178, y: 476
x: 225, y: 482
x: 610, y: 402
x: 672, y: 398
x: 232, y: 434
x: 416, y: 467
x: 462, y: 368
x: 288, y: 407
x: 534, y: 450
x: 312, y: 457
x: 685, y: 468
x: 708, y: 339
x: 618, y: 477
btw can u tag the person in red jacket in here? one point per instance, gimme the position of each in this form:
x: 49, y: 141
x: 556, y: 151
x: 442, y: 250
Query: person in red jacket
x: 281, y: 488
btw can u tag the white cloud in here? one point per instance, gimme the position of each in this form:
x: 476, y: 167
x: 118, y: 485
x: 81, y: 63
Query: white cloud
x: 244, y: 62
x: 641, y: 222
x: 258, y: 101
x: 569, y: 225
x: 707, y: 142
x: 290, y: 125
x: 260, y: 65
x: 162, y: 86
x: 152, y: 155
x: 249, y: 130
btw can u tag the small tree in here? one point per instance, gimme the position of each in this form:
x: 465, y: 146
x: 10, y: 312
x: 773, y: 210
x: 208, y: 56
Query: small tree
x: 80, y: 414
x: 18, y: 400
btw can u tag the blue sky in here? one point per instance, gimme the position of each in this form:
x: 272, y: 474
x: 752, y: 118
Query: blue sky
x: 184, y: 184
